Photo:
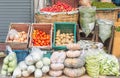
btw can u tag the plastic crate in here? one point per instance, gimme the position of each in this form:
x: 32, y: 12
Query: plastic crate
x: 64, y: 27
x: 19, y: 27
x: 45, y: 27
x: 21, y: 54
x: 47, y: 54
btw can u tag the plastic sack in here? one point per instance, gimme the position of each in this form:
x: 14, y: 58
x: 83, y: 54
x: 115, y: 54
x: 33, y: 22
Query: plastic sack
x: 36, y: 54
x: 92, y: 63
x: 87, y: 44
x: 87, y: 19
x: 58, y: 57
x: 9, y: 62
x: 55, y: 73
x: 109, y: 65
x: 105, y: 27
x: 13, y: 34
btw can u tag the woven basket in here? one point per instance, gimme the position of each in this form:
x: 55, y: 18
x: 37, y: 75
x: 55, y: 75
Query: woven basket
x: 47, y: 18
x: 19, y: 27
x: 109, y: 14
x: 45, y: 27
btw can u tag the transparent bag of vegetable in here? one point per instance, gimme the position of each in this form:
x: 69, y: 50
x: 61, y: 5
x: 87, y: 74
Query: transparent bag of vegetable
x: 105, y: 27
x: 13, y: 35
x: 92, y: 63
x: 87, y: 19
x: 109, y: 65
x: 35, y: 55
x: 85, y: 44
x: 9, y: 63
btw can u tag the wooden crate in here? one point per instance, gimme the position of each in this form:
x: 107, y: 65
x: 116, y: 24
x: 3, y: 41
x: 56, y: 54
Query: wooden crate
x: 19, y: 27
x: 45, y: 27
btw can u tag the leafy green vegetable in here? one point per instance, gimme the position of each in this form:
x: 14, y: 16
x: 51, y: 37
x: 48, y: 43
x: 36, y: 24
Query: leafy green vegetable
x: 103, y: 5
x: 117, y: 29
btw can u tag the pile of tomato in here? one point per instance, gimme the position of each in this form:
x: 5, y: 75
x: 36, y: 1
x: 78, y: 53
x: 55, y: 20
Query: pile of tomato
x: 58, y: 7
x: 40, y: 38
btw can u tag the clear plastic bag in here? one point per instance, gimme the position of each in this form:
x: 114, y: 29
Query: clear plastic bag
x: 105, y: 27
x: 36, y: 54
x: 13, y: 34
x: 87, y: 19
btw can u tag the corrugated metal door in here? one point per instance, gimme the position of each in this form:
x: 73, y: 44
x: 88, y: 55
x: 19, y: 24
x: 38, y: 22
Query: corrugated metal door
x: 14, y: 11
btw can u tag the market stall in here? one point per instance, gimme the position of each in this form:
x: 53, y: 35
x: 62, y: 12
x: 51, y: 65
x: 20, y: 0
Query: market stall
x: 53, y: 47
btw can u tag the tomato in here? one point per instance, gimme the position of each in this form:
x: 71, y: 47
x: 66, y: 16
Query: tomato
x: 58, y: 7
x: 40, y: 38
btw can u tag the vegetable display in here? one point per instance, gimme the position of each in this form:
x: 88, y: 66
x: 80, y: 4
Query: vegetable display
x: 73, y: 54
x: 15, y: 36
x: 87, y: 44
x: 104, y: 5
x: 87, y: 19
x: 63, y: 38
x: 33, y: 63
x: 109, y: 65
x: 9, y: 64
x: 105, y: 29
x: 57, y: 66
x: 58, y: 7
x: 100, y: 63
x: 92, y: 65
x: 73, y: 46
x: 74, y: 73
x: 74, y: 63
x: 40, y: 38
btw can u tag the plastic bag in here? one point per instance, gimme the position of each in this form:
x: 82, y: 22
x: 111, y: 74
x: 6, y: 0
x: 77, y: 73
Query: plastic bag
x: 87, y: 19
x: 36, y: 54
x: 109, y: 65
x: 58, y: 57
x: 92, y: 63
x: 9, y: 62
x: 86, y: 44
x: 104, y: 29
x: 13, y: 35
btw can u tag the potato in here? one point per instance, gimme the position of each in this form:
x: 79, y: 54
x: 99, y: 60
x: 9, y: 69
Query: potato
x: 64, y: 38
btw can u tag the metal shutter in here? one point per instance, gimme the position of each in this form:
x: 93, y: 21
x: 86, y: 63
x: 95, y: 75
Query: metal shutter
x: 14, y: 11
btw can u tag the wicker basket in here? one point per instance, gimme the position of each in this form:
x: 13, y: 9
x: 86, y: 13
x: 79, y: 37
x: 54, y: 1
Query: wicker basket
x: 109, y: 14
x: 45, y: 27
x: 19, y: 27
x: 48, y: 18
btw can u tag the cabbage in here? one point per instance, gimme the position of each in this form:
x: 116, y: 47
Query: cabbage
x: 46, y: 61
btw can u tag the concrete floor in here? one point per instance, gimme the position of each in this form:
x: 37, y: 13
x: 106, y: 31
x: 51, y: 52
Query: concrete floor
x: 1, y: 60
